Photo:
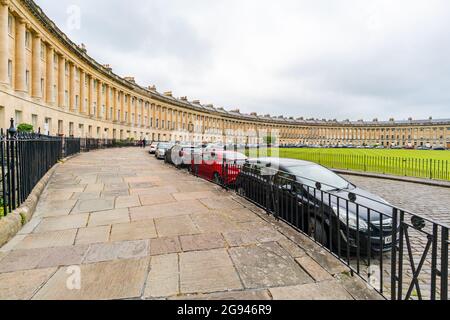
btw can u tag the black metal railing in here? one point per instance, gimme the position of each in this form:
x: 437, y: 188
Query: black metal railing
x: 402, y: 255
x: 25, y: 159
x: 71, y: 146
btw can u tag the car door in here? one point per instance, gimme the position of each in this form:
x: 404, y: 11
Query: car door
x: 284, y: 196
x: 203, y: 168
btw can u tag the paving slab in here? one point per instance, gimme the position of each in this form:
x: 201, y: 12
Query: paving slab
x: 175, y: 226
x: 248, y: 237
x: 162, y: 198
x: 74, y: 221
x: 204, y: 241
x: 86, y: 195
x: 221, y: 203
x: 163, y: 278
x: 194, y: 195
x: 154, y: 191
x: 120, y: 279
x: 117, y: 250
x: 326, y: 290
x: 165, y: 245
x: 167, y: 210
x: 248, y: 295
x: 211, y: 221
x: 48, y: 239
x: 22, y: 285
x: 109, y: 217
x: 207, y: 271
x: 93, y: 235
x: 134, y: 231
x: 315, y: 271
x: 84, y: 206
x: 267, y: 265
x: 127, y: 202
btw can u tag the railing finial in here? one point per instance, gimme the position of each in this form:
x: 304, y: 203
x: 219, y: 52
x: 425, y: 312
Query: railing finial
x: 12, y: 130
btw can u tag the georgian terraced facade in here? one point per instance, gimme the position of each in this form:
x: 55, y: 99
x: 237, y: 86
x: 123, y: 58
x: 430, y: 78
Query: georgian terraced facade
x: 50, y: 82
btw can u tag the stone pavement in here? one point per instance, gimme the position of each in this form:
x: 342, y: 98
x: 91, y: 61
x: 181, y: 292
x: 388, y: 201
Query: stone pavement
x: 134, y: 228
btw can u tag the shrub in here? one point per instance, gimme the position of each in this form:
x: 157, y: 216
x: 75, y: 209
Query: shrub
x: 25, y: 128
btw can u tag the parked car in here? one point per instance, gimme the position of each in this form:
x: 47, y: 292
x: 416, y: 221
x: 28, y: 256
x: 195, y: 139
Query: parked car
x: 181, y: 155
x: 161, y: 149
x: 319, y: 202
x: 153, y: 146
x: 222, y: 167
x: 439, y: 148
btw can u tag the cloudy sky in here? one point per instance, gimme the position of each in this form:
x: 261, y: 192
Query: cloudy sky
x: 324, y: 58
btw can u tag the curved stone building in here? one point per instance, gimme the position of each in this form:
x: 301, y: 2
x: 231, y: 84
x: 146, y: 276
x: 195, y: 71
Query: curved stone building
x: 50, y: 82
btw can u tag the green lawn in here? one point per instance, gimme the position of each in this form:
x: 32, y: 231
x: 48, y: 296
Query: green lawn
x: 413, y: 163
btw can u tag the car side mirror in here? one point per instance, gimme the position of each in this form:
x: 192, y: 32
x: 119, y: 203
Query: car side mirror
x: 352, y: 197
x: 318, y: 186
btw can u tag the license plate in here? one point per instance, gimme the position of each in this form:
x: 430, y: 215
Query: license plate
x: 388, y: 240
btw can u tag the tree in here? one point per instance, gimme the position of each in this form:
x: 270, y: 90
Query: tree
x: 25, y: 128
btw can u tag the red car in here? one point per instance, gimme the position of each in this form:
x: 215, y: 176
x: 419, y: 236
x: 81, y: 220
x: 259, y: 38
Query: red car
x: 212, y: 165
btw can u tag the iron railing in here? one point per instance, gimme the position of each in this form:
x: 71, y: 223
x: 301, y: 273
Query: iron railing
x: 25, y: 159
x: 71, y: 146
x: 402, y: 255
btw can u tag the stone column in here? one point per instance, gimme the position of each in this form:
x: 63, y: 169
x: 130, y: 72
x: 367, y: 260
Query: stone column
x: 36, y: 67
x: 114, y: 105
x: 99, y: 99
x: 108, y: 102
x: 20, y: 55
x: 91, y: 96
x: 82, y: 91
x: 72, y: 93
x: 4, y: 41
x: 129, y: 109
x: 50, y: 74
x: 142, y: 113
x: 122, y: 107
x: 136, y: 112
x: 61, y: 81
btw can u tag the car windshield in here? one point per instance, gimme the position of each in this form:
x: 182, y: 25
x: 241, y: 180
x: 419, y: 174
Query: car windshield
x: 164, y: 146
x: 310, y: 174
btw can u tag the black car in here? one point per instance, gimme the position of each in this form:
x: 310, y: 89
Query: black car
x: 319, y: 202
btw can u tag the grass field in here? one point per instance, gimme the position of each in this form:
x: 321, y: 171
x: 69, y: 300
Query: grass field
x: 412, y: 163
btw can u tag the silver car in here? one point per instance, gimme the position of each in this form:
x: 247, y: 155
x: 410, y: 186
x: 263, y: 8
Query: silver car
x: 161, y: 150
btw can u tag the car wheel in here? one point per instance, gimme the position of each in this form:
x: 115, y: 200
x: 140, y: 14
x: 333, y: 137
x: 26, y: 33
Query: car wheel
x: 317, y: 231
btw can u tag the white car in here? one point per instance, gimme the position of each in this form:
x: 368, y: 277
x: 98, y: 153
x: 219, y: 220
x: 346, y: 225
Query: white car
x: 153, y: 147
